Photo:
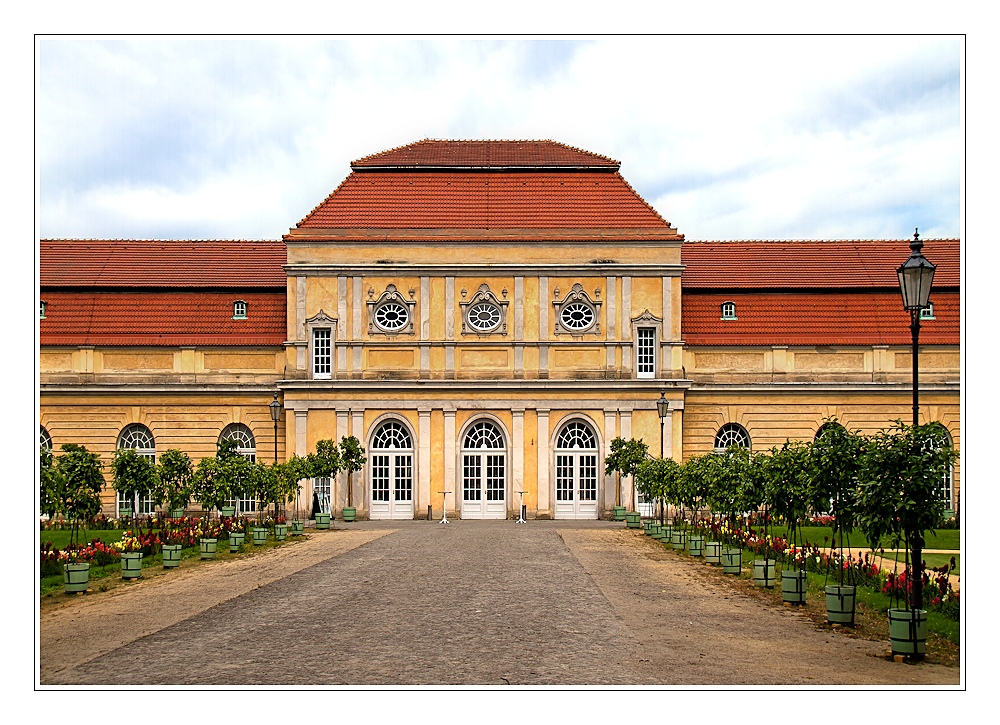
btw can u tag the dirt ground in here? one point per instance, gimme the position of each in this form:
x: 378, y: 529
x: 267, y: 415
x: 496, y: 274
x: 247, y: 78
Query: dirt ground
x: 677, y: 620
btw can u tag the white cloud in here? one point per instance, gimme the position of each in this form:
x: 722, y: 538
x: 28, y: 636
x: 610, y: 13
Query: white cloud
x: 729, y: 137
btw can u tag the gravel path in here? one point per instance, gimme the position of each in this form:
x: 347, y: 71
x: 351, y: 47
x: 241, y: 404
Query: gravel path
x: 470, y: 603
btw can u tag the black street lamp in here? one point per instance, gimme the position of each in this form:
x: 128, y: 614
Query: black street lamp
x: 915, y: 277
x: 662, y: 409
x: 275, y: 407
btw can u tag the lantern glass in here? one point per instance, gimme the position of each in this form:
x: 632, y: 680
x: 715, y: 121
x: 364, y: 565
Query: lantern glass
x: 275, y: 407
x: 915, y: 278
x: 662, y: 407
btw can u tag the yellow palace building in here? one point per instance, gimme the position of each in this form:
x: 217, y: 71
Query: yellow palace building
x: 485, y: 317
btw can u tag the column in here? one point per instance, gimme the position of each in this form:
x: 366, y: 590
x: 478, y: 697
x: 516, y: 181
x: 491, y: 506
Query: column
x: 517, y: 454
x: 341, y: 325
x: 300, y: 323
x: 611, y: 482
x: 339, y: 485
x: 612, y: 305
x: 423, y: 497
x: 449, y: 483
x: 518, y: 327
x: 300, y: 432
x: 543, y: 330
x: 356, y: 334
x: 544, y: 506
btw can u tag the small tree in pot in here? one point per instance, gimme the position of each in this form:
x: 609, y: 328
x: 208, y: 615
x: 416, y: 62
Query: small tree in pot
x: 832, y: 470
x: 352, y: 458
x: 134, y: 476
x: 899, y: 498
x: 175, y: 474
x: 624, y: 459
x: 72, y: 487
x: 786, y: 490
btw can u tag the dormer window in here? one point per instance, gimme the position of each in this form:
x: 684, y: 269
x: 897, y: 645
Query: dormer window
x: 42, y: 304
x: 927, y: 313
x: 239, y: 310
x: 728, y: 310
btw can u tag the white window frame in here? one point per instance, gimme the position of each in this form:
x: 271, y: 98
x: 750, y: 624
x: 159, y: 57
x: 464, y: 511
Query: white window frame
x: 577, y: 295
x: 390, y: 296
x: 484, y: 296
x: 728, y: 310
x: 647, y: 321
x: 243, y: 505
x: 42, y: 306
x: 321, y: 321
x: 142, y: 504
x: 732, y: 429
x: 240, y: 310
x: 927, y: 313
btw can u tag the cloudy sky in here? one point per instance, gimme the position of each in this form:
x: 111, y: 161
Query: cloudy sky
x: 736, y: 137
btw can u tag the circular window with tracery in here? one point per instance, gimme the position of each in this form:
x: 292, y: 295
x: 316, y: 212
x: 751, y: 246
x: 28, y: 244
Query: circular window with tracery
x: 484, y: 317
x: 577, y: 316
x: 391, y: 316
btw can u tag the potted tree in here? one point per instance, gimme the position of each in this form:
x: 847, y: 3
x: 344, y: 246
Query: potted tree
x: 899, y: 498
x: 72, y: 487
x: 287, y: 487
x: 652, y: 477
x: 326, y: 463
x: 352, y: 458
x: 624, y: 459
x: 175, y: 473
x: 260, y: 484
x: 214, y: 484
x: 787, y: 492
x: 134, y: 476
x: 833, y: 465
x: 746, y: 468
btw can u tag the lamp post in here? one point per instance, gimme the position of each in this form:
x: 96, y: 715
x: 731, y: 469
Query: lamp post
x: 662, y: 408
x: 275, y: 407
x: 915, y: 277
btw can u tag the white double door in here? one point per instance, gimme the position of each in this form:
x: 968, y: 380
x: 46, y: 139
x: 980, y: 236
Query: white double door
x: 392, y: 485
x: 576, y: 486
x: 484, y: 485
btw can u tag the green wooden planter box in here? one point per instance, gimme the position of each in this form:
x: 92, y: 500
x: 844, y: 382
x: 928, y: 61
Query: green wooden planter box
x: 228, y: 511
x: 208, y: 548
x: 632, y: 519
x: 618, y: 513
x: 322, y: 521
x: 131, y: 564
x: 668, y: 535
x: 678, y: 538
x: 177, y: 513
x: 259, y: 535
x: 298, y: 527
x: 76, y: 577
x: 171, y: 554
x: 696, y: 545
x: 793, y: 586
x: 280, y: 532
x: 840, y: 605
x: 764, y: 572
x: 350, y: 513
x: 713, y: 552
x: 908, y: 631
x: 732, y: 561
x: 236, y: 539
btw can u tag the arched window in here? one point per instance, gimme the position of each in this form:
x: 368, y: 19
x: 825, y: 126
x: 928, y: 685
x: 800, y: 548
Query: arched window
x: 44, y: 439
x: 139, y: 438
x: 576, y: 472
x: 943, y: 438
x: 484, y: 472
x: 826, y: 428
x: 245, y: 446
x: 731, y: 434
x: 391, y: 472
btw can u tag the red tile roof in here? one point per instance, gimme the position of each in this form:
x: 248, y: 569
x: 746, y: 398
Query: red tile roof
x: 811, y: 264
x: 161, y: 263
x: 577, y: 200
x: 815, y: 318
x: 436, y: 153
x: 162, y: 318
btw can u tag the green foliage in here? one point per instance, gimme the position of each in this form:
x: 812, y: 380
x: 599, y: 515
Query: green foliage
x: 900, y: 481
x: 48, y: 483
x: 78, y: 482
x: 352, y: 458
x: 262, y: 484
x: 176, y: 476
x: 223, y: 477
x: 135, y: 475
x: 833, y: 465
x: 786, y: 484
x: 625, y: 458
x: 326, y: 461
x: 656, y: 478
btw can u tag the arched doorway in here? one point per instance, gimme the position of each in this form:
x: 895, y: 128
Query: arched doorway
x: 576, y: 472
x: 391, y: 472
x: 484, y: 472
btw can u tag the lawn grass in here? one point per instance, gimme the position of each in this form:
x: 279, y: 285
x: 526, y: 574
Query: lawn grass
x: 59, y: 538
x: 822, y: 536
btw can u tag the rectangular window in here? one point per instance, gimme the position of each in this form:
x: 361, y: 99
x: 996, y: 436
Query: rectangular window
x: 322, y: 353
x: 927, y: 313
x: 646, y: 352
x: 321, y: 487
